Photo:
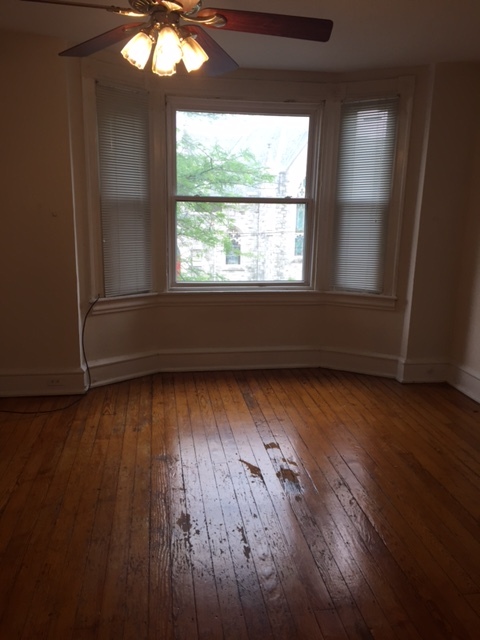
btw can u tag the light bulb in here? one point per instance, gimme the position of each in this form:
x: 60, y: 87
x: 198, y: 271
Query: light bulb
x: 137, y: 50
x: 169, y: 43
x: 193, y: 54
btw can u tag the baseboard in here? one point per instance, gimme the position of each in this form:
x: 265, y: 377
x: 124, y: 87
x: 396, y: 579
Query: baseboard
x: 136, y: 365
x: 369, y: 363
x: 422, y: 370
x: 117, y: 369
x: 42, y: 384
x: 465, y: 380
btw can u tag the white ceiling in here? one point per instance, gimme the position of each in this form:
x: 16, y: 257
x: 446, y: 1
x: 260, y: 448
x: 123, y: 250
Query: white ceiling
x: 366, y: 33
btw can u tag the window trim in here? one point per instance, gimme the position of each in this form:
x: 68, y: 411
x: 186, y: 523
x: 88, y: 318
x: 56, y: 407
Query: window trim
x: 187, y: 103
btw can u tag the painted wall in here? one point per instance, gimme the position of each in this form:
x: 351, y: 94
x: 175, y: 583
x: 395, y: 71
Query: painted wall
x: 434, y: 327
x: 466, y: 342
x: 39, y: 330
x: 442, y: 309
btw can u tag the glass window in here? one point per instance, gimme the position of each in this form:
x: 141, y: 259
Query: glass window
x: 243, y: 175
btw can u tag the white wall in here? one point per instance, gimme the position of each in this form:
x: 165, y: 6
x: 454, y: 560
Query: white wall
x: 466, y: 342
x: 440, y: 312
x: 39, y: 320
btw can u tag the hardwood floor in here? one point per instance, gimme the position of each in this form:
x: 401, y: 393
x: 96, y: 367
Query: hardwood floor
x: 243, y: 505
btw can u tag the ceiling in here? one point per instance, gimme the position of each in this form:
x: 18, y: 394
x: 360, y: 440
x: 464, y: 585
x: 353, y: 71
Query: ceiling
x: 366, y: 33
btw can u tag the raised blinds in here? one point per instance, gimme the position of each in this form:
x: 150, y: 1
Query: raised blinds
x: 123, y: 143
x: 363, y: 195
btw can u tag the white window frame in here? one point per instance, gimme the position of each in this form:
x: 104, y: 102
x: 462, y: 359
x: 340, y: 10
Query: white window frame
x: 323, y: 164
x: 314, y: 113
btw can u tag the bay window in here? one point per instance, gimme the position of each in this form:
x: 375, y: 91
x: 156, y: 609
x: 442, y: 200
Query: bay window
x: 222, y: 195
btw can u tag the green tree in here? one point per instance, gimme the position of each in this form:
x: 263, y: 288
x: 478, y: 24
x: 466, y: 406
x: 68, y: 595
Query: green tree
x: 211, y: 171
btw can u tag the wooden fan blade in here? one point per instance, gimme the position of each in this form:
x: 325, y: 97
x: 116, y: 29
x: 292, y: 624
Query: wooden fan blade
x: 272, y: 24
x: 104, y: 40
x: 105, y: 7
x: 219, y: 62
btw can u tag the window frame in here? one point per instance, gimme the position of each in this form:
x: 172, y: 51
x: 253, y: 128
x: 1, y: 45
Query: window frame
x: 313, y: 90
x: 312, y: 110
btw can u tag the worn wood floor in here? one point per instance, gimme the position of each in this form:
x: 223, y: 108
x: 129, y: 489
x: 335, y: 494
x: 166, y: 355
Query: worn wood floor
x: 279, y: 504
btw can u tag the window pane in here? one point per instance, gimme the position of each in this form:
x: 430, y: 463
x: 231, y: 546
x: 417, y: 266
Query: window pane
x: 241, y: 155
x: 262, y: 237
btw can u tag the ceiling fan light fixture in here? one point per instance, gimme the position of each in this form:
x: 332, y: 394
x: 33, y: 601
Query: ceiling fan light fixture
x: 137, y: 50
x: 168, y: 45
x: 172, y: 24
x: 167, y: 52
x: 162, y: 66
x: 193, y: 54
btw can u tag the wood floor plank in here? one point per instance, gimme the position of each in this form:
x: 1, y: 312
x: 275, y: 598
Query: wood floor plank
x: 53, y: 586
x: 160, y: 591
x: 415, y: 558
x: 247, y: 505
x: 239, y: 511
x: 343, y: 541
x: 441, y: 533
x: 280, y: 529
x: 62, y: 623
x: 136, y: 606
x: 291, y: 473
x: 114, y: 598
x: 194, y: 520
x: 32, y: 550
x: 87, y: 615
x: 183, y: 593
x: 232, y: 617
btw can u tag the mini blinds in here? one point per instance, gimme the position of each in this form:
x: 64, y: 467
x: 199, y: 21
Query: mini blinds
x: 124, y: 170
x: 363, y: 195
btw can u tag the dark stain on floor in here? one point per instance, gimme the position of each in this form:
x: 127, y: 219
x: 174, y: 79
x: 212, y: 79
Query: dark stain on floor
x: 254, y: 470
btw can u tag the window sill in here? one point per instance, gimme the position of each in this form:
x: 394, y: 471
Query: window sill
x: 249, y: 298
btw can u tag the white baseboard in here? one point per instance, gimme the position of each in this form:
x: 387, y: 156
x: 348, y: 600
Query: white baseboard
x: 116, y: 369
x: 422, y: 370
x: 369, y: 363
x: 42, y: 384
x: 136, y: 365
x: 465, y: 380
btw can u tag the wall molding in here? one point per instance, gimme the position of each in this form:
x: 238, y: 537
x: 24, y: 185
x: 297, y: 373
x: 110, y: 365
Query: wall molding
x: 20, y: 384
x: 422, y: 370
x: 116, y: 369
x: 111, y: 370
x: 465, y: 380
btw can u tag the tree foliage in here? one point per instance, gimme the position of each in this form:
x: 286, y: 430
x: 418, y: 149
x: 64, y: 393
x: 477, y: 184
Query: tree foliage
x: 211, y: 172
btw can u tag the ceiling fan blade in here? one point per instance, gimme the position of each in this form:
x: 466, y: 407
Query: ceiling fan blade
x: 272, y: 24
x: 105, y: 7
x: 104, y: 40
x: 219, y: 62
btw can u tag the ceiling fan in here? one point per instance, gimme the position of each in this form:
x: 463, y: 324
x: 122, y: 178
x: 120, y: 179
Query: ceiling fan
x: 175, y: 30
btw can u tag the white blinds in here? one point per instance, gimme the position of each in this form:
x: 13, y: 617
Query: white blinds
x: 123, y: 143
x: 364, y: 183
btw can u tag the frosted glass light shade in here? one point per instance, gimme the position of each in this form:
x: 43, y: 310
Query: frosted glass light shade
x: 167, y: 52
x: 137, y: 50
x: 193, y: 54
x: 169, y: 44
